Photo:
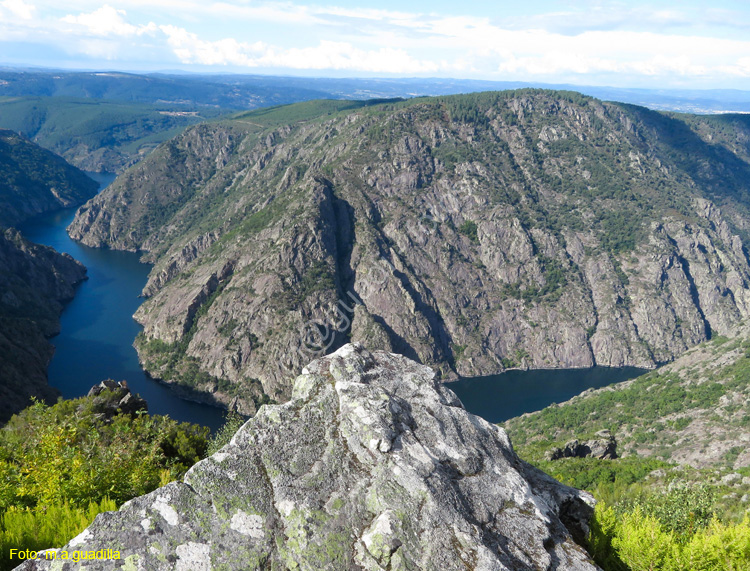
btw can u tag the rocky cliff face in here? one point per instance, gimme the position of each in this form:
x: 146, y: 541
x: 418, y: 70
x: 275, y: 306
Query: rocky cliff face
x: 34, y: 282
x: 473, y: 233
x: 372, y: 464
x: 33, y: 180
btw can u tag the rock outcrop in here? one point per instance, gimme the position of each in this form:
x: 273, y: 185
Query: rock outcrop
x: 34, y: 283
x: 604, y: 447
x: 372, y: 465
x: 111, y: 398
x: 34, y: 180
x: 476, y: 233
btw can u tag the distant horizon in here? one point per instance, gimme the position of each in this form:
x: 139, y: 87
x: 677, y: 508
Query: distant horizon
x: 290, y: 75
x: 661, y: 44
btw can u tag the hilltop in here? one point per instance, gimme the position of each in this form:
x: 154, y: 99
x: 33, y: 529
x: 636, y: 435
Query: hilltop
x: 372, y: 465
x: 473, y: 233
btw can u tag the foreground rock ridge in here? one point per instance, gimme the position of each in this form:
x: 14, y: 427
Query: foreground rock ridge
x: 35, y: 281
x: 372, y: 465
x: 472, y: 233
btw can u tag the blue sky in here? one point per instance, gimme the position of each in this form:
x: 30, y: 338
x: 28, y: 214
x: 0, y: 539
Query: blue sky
x: 687, y: 44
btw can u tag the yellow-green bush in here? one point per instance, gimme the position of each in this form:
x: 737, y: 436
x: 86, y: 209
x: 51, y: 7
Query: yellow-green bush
x: 232, y: 423
x: 44, y: 526
x: 638, y: 541
x: 61, y: 465
x: 67, y: 452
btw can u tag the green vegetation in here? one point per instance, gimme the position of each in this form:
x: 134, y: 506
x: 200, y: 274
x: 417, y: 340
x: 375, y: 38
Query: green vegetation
x: 172, y: 364
x: 599, y: 188
x: 643, y: 522
x: 96, y: 134
x: 654, y: 514
x: 44, y: 526
x: 555, y: 279
x: 458, y: 352
x: 62, y: 464
x: 727, y: 131
x: 27, y: 175
x: 68, y: 452
x: 320, y: 276
x: 639, y: 541
x: 649, y: 411
x: 305, y: 111
x: 172, y: 361
x: 610, y: 480
x: 469, y: 229
x: 232, y: 423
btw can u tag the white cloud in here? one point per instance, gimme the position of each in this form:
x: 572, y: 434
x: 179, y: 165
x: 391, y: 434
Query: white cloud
x: 740, y: 68
x: 190, y: 49
x: 277, y: 13
x: 19, y: 8
x: 599, y: 44
x: 344, y: 56
x: 107, y: 21
x: 363, y: 13
x: 538, y: 52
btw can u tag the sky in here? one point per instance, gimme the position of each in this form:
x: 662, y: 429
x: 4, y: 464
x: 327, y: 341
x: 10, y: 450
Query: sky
x: 655, y: 44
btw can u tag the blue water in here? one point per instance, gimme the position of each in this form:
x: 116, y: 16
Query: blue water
x: 97, y: 328
x: 497, y: 398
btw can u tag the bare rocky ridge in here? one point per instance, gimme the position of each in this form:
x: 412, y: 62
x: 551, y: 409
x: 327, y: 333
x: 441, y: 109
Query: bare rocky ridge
x: 474, y: 233
x: 34, y: 282
x: 373, y: 464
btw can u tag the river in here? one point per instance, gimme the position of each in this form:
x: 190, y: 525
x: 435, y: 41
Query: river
x: 97, y: 333
x: 497, y: 398
x: 97, y: 328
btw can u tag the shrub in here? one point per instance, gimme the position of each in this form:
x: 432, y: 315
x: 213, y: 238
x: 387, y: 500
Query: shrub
x: 469, y: 229
x: 61, y: 465
x: 637, y: 541
x: 44, y: 526
x: 232, y: 423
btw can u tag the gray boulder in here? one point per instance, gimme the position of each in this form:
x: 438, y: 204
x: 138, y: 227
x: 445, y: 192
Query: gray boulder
x: 604, y: 447
x: 371, y: 465
x: 110, y: 398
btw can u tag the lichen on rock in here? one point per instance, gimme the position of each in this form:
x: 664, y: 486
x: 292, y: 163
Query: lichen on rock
x: 373, y: 464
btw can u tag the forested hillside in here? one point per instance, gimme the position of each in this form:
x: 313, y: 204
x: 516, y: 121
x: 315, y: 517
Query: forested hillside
x: 34, y: 283
x: 34, y: 180
x: 97, y: 135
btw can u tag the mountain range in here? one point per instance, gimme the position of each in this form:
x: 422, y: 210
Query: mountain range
x: 475, y: 233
